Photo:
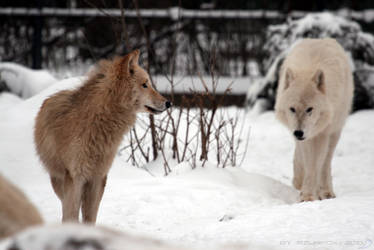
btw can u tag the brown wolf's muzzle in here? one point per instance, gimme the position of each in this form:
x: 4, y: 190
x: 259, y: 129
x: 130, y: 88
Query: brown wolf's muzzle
x: 164, y: 106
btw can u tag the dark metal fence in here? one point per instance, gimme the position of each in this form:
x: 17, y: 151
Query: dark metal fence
x: 175, y: 40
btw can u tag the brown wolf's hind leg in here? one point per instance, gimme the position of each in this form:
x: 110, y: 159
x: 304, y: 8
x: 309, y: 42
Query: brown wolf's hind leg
x: 92, y: 195
x: 58, y: 187
x: 72, y: 198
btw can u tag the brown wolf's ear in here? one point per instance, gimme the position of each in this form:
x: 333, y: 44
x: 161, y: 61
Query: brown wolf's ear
x: 288, y: 78
x: 131, y: 60
x: 319, y: 79
x: 134, y: 57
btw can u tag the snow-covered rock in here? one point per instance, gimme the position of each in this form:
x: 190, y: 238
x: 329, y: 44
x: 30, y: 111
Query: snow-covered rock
x: 81, y: 237
x: 280, y: 38
x: 70, y: 236
x: 23, y: 81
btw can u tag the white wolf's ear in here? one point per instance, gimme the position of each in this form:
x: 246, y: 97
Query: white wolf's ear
x: 132, y: 60
x: 288, y: 78
x: 319, y: 79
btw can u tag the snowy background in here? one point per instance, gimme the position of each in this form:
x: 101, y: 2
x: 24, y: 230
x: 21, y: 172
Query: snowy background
x: 250, y: 206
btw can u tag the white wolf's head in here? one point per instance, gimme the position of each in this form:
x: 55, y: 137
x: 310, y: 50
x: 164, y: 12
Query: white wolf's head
x: 302, y: 105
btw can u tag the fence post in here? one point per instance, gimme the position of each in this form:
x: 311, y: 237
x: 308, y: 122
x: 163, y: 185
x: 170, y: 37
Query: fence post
x: 37, y: 38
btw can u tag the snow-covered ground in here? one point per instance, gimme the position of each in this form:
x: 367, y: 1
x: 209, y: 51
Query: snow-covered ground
x: 254, y: 204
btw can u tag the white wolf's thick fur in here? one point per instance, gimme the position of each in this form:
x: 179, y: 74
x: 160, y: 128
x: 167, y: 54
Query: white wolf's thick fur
x: 314, y: 98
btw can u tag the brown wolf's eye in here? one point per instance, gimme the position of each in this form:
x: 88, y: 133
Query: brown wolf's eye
x: 292, y: 109
x: 145, y: 85
x: 308, y: 110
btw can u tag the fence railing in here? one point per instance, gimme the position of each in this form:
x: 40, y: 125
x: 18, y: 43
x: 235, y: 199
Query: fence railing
x: 179, y: 13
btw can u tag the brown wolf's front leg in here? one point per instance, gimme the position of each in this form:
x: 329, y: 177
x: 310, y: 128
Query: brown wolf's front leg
x: 314, y: 153
x: 92, y: 195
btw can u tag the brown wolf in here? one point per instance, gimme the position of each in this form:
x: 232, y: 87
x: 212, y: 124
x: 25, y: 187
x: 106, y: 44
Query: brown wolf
x: 16, y: 211
x: 77, y: 132
x: 314, y: 99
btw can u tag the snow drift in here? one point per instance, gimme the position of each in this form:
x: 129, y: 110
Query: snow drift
x: 23, y: 81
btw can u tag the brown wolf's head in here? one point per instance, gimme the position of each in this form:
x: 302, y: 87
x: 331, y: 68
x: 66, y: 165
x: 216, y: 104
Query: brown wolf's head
x: 144, y: 97
x: 302, y: 105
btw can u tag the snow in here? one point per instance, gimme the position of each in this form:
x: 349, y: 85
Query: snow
x: 254, y: 204
x: 7, y: 100
x: 332, y: 24
x: 259, y: 84
x: 315, y: 25
x: 23, y: 81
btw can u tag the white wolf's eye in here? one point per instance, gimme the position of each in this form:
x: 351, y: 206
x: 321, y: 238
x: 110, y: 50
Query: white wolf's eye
x: 144, y: 85
x: 292, y: 109
x: 308, y: 110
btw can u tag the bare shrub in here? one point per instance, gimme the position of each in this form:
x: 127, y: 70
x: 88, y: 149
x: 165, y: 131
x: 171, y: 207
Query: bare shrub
x: 196, y: 131
x: 189, y: 132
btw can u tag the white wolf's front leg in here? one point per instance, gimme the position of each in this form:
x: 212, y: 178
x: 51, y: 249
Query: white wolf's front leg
x: 326, y: 190
x: 298, y: 168
x: 314, y: 154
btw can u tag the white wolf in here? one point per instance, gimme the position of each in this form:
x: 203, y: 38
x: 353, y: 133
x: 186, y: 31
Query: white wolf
x: 314, y: 98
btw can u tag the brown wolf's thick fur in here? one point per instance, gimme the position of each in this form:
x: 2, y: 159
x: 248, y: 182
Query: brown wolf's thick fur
x: 16, y: 211
x: 77, y: 132
x: 313, y: 101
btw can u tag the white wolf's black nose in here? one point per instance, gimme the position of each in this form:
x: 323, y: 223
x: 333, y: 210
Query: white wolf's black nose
x: 167, y: 104
x: 298, y: 134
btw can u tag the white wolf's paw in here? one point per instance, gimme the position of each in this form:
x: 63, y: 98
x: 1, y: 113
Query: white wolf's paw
x: 297, y: 183
x: 326, y: 194
x: 307, y: 196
